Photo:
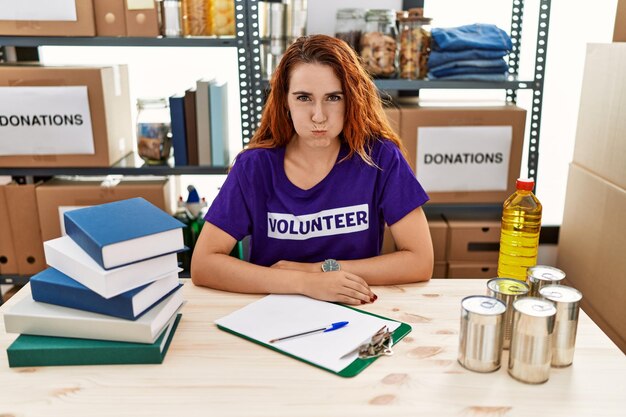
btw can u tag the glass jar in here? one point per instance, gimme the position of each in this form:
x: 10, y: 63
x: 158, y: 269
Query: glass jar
x: 154, y: 137
x: 379, y: 43
x: 349, y: 25
x: 414, y: 45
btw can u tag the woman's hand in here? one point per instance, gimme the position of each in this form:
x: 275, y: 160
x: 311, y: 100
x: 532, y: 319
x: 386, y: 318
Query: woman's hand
x: 338, y: 286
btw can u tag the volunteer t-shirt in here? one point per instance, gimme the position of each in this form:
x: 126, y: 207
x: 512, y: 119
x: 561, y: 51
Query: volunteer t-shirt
x: 341, y: 217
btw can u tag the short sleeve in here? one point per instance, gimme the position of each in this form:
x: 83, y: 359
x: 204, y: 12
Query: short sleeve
x: 400, y: 192
x: 229, y: 211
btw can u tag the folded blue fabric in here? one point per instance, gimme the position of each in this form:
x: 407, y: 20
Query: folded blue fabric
x: 471, y: 77
x: 437, y: 58
x: 498, y: 67
x: 475, y: 36
x: 477, y: 63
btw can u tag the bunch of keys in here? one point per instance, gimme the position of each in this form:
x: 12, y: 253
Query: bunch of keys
x: 379, y: 345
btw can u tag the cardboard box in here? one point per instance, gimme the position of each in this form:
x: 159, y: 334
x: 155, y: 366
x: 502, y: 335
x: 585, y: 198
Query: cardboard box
x: 142, y: 18
x: 493, y: 118
x: 109, y: 108
x: 82, y: 26
x: 389, y: 246
x: 110, y: 17
x: 24, y: 215
x: 591, y: 248
x: 440, y: 270
x: 600, y: 145
x: 619, y: 32
x: 439, y: 235
x: 8, y: 260
x: 393, y: 117
x: 57, y: 195
x: 473, y: 240
x: 485, y: 270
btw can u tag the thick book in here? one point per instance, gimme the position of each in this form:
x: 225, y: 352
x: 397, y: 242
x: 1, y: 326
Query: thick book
x: 28, y: 316
x: 218, y: 109
x: 65, y: 255
x: 203, y: 122
x: 28, y: 350
x: 54, y: 287
x: 179, y: 136
x: 190, y: 127
x: 122, y: 232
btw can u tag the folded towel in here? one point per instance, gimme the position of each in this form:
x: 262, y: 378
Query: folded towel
x: 471, y: 77
x: 437, y: 58
x: 476, y: 36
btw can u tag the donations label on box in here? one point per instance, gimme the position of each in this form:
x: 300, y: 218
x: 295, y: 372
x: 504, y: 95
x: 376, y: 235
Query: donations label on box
x: 64, y: 10
x: 463, y: 158
x: 45, y: 121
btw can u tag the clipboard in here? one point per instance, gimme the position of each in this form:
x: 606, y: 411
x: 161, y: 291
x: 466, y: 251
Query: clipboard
x: 352, y: 368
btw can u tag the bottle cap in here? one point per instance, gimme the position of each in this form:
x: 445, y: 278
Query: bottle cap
x: 526, y: 184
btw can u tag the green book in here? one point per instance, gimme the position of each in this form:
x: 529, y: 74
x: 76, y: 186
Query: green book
x: 28, y: 350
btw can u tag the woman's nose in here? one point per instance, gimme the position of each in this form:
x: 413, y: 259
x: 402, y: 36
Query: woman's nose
x: 318, y: 114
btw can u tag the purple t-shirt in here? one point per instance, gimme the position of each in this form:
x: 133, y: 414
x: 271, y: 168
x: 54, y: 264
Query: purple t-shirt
x: 341, y: 217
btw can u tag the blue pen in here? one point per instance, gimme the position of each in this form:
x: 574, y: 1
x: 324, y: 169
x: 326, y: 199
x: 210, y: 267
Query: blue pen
x: 326, y: 329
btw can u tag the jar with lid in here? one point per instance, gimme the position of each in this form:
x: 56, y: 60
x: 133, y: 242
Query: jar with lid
x: 379, y: 43
x: 414, y: 44
x: 154, y: 137
x: 349, y: 26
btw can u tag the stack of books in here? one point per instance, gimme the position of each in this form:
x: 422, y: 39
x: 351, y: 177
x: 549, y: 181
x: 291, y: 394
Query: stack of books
x: 110, y: 294
x: 200, y: 118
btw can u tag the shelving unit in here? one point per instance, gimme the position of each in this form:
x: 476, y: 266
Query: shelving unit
x: 252, y: 86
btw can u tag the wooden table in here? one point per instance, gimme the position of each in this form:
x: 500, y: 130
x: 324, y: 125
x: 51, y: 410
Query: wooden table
x: 208, y: 372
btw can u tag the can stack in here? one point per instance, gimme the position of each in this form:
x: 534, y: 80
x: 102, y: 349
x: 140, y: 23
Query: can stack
x: 536, y: 321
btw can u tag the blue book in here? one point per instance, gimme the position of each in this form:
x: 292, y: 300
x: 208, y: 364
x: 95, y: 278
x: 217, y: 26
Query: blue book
x: 124, y: 232
x: 218, y: 110
x: 29, y: 350
x: 54, y: 287
x: 179, y: 134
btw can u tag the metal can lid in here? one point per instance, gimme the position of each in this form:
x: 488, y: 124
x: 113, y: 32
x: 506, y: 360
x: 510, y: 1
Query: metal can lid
x: 561, y: 293
x: 533, y: 306
x: 544, y: 273
x: 508, y: 286
x: 484, y: 305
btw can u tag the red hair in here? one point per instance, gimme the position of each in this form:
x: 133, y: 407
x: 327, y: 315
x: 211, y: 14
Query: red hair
x: 364, y: 121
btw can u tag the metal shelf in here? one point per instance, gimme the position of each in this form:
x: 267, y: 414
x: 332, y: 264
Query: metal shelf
x: 412, y: 85
x: 130, y: 165
x: 398, y: 84
x: 28, y: 41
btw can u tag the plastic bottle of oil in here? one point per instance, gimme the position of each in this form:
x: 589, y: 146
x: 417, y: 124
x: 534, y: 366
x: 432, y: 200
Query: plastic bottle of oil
x: 519, y: 235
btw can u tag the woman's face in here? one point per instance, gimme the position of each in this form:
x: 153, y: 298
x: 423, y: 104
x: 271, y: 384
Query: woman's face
x: 316, y: 103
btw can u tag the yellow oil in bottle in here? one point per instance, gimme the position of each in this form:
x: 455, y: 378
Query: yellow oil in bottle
x: 519, y: 235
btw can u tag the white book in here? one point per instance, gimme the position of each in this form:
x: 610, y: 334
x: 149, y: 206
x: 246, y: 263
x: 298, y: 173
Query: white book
x: 203, y: 121
x: 43, y: 319
x: 66, y: 256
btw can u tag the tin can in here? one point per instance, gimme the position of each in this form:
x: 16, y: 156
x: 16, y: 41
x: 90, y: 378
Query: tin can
x: 540, y: 275
x: 480, y: 337
x: 507, y: 290
x: 531, y: 348
x: 567, y: 303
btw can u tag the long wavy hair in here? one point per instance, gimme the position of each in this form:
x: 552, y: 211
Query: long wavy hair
x: 364, y: 120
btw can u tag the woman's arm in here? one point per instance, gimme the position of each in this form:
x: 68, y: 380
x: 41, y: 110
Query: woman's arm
x: 412, y: 261
x: 212, y: 266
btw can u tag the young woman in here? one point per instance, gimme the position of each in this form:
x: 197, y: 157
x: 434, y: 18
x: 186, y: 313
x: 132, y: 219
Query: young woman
x: 323, y: 174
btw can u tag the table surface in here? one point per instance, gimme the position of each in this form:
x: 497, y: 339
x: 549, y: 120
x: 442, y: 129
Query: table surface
x: 211, y: 372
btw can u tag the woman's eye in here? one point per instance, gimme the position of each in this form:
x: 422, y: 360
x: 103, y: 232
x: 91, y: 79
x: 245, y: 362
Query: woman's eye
x: 334, y: 98
x: 303, y: 98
